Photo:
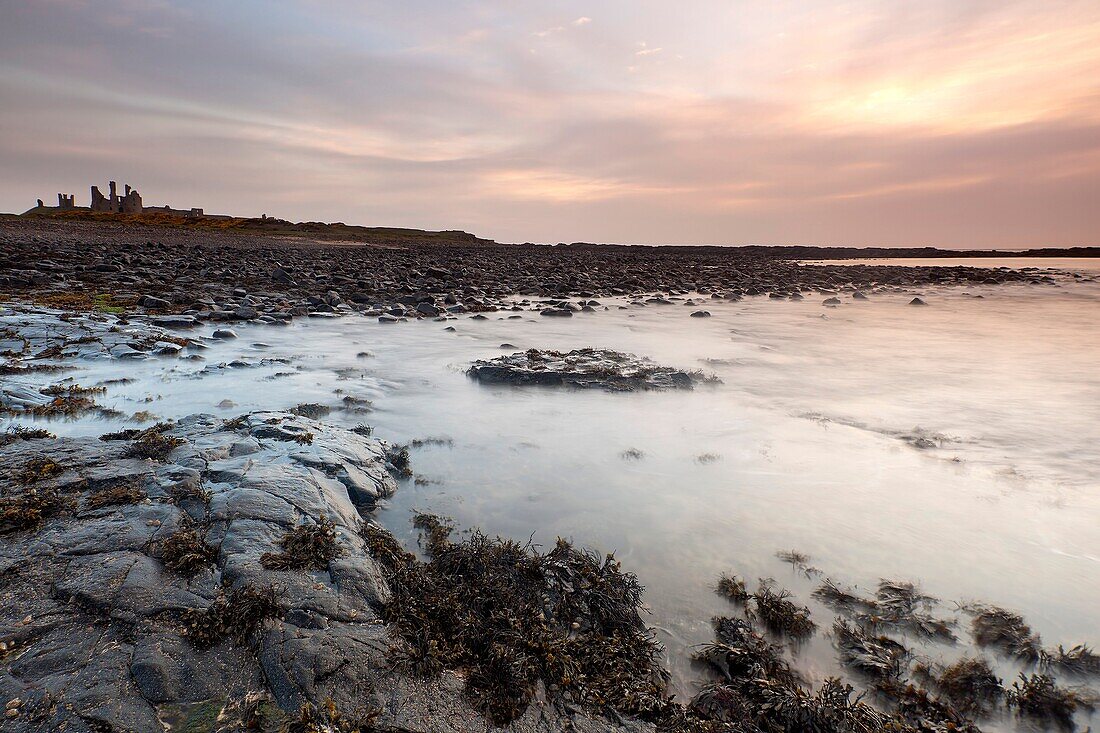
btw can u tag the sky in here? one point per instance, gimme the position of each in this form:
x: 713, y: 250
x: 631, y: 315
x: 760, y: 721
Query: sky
x: 948, y: 123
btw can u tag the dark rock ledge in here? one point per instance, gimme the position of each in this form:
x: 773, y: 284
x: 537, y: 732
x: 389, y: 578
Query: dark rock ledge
x: 100, y: 626
x: 584, y: 368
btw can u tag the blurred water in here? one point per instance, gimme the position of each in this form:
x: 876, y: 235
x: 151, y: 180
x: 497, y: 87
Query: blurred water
x: 1059, y: 264
x: 807, y: 444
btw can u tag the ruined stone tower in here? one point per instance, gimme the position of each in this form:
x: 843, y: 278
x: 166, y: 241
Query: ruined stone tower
x: 130, y: 203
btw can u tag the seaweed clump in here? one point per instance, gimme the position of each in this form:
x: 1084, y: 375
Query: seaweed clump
x: 732, y: 588
x: 29, y: 509
x: 876, y: 656
x: 256, y: 711
x: 306, y: 547
x: 740, y: 652
x: 327, y: 718
x: 236, y: 615
x: 1079, y: 659
x: 38, y: 469
x: 184, y: 553
x: 756, y: 690
x: 842, y: 599
x: 1038, y: 697
x: 901, y: 605
x: 356, y: 405
x: 896, y: 605
x: 799, y: 561
x: 68, y: 400
x: 779, y: 614
x: 793, y: 557
x: 771, y: 607
x: 399, y: 461
x: 16, y: 433
x: 115, y: 496
x: 1006, y: 631
x: 236, y: 423
x: 127, y: 434
x: 511, y: 617
x: 916, y: 706
x: 435, y: 532
x: 154, y: 444
x: 312, y: 410
x: 969, y: 684
x: 189, y: 490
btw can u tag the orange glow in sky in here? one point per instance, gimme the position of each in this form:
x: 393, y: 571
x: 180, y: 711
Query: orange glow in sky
x: 950, y: 123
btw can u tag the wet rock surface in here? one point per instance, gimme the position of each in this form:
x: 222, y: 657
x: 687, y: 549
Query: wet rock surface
x: 583, y: 369
x: 31, y: 337
x: 36, y: 341
x: 138, y: 592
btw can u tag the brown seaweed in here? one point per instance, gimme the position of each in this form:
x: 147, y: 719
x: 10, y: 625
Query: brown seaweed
x: 16, y: 433
x: 969, y: 684
x: 235, y: 615
x: 118, y: 495
x: 874, y: 655
x: 184, y: 553
x: 29, y: 509
x: 306, y: 547
x: 1079, y: 660
x: 732, y: 588
x: 842, y: 600
x: 778, y: 614
x: 1005, y: 631
x: 512, y: 617
x: 153, y: 443
x: 1037, y: 696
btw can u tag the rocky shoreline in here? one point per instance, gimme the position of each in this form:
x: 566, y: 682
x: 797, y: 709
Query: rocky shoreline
x: 227, y: 575
x: 199, y: 575
x: 105, y: 628
x: 182, y: 277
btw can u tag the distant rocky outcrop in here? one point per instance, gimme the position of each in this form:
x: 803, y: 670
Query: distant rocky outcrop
x: 583, y: 368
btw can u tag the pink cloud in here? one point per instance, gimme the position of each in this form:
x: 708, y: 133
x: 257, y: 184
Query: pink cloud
x: 969, y: 124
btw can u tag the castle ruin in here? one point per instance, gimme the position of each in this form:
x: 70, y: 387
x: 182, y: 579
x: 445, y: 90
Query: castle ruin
x: 130, y: 203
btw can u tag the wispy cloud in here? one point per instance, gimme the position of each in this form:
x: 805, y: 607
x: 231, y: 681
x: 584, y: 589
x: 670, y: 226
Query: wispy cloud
x: 887, y: 122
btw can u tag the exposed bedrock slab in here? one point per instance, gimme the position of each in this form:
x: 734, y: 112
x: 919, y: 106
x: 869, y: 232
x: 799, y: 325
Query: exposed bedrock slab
x: 93, y: 630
